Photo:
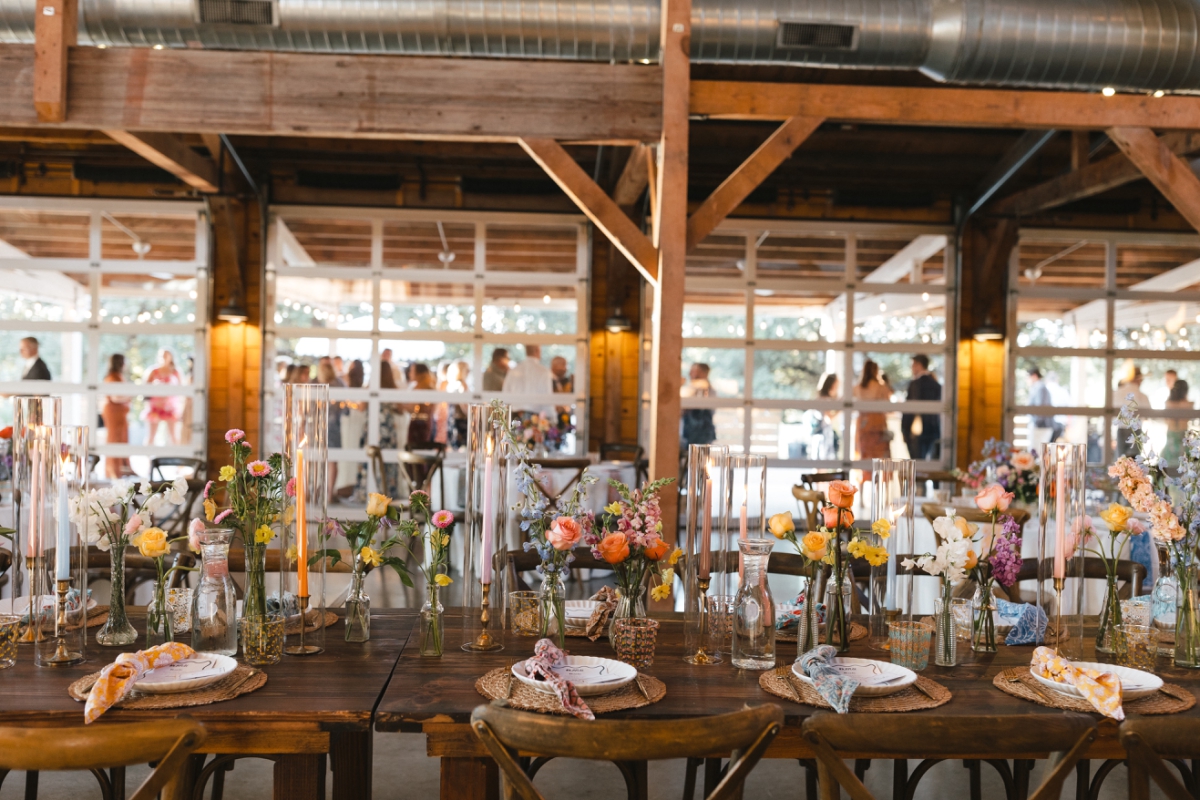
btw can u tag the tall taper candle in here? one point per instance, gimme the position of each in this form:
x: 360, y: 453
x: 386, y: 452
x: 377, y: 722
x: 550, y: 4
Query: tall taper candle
x: 706, y: 528
x: 485, y: 552
x: 62, y: 544
x: 1060, y: 521
x: 301, y: 523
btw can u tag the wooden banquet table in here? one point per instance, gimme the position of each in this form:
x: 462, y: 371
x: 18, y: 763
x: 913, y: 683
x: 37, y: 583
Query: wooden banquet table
x: 436, y: 697
x: 311, y: 708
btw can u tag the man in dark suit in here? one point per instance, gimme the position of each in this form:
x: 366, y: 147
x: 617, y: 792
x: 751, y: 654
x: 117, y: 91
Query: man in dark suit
x: 35, y: 368
x: 927, y: 442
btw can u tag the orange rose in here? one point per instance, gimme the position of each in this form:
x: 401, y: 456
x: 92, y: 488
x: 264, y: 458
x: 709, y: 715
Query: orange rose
x: 841, y: 494
x: 564, y: 534
x: 831, y: 514
x: 614, y: 548
x: 656, y: 551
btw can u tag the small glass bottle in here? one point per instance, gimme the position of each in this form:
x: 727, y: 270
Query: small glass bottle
x: 214, y: 603
x: 1163, y: 598
x: 945, y: 653
x: 754, y: 610
x: 358, y: 606
x: 837, y: 609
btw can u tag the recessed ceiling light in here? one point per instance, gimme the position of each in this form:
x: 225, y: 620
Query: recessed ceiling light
x: 1108, y: 91
x: 1159, y: 93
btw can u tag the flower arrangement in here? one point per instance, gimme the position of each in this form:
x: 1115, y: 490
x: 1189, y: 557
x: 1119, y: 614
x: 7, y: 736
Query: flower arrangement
x: 110, y: 518
x: 994, y: 558
x: 629, y: 537
x: 1015, y: 470
x: 434, y: 531
x: 539, y: 430
x: 153, y: 543
x: 1121, y: 526
x: 256, y: 493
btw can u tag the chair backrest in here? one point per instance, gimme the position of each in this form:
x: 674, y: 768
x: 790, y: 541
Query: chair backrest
x: 375, y: 458
x: 620, y: 451
x: 167, y: 741
x: 808, y: 502
x: 1129, y: 574
x: 744, y: 734
x: 1147, y: 741
x: 418, y: 471
x: 521, y: 561
x: 814, y: 479
x: 915, y: 736
x: 196, y: 465
x: 934, y: 510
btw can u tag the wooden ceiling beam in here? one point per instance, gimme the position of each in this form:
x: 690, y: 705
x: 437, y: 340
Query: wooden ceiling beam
x: 169, y: 152
x: 55, y: 29
x: 598, y: 206
x: 748, y: 176
x: 1092, y: 179
x: 634, y: 178
x: 1167, y: 171
x: 969, y: 108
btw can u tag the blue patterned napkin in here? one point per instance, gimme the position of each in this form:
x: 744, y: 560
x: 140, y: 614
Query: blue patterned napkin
x: 788, y: 619
x: 1030, y: 626
x: 834, y: 687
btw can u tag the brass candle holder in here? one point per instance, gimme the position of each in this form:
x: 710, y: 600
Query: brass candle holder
x: 702, y: 656
x: 35, y: 569
x: 63, y: 657
x: 1058, y: 631
x: 485, y: 641
x: 303, y: 649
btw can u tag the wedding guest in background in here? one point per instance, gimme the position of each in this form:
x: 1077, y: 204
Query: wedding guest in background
x: 354, y: 434
x: 163, y: 410
x: 871, y: 432
x: 696, y: 424
x: 493, y: 376
x: 927, y: 442
x: 34, y: 368
x: 531, y: 376
x: 1177, y: 400
x: 115, y: 413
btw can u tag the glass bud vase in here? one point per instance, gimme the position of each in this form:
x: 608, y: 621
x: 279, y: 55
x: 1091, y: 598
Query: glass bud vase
x: 1163, y: 598
x: 983, y: 606
x: 946, y: 644
x: 433, y: 624
x: 808, y: 636
x: 1110, y: 636
x: 159, y: 628
x: 1187, y: 614
x: 214, y: 602
x: 837, y: 610
x: 754, y: 610
x: 630, y: 604
x: 358, y: 607
x: 116, y: 631
x: 554, y: 598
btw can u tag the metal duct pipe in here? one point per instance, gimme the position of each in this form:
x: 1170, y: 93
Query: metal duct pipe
x: 1133, y: 45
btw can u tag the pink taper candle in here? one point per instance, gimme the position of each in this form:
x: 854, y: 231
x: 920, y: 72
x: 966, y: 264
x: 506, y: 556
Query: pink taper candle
x: 485, y: 553
x: 1060, y: 522
x: 706, y: 528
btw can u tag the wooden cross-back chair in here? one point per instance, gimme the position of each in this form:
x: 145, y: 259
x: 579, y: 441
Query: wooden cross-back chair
x: 507, y: 734
x: 812, y: 480
x: 934, y: 739
x: 1152, y: 743
x: 94, y: 748
x: 942, y: 477
x: 932, y: 511
x: 520, y: 561
x: 138, y: 568
x: 1129, y: 574
x: 808, y: 503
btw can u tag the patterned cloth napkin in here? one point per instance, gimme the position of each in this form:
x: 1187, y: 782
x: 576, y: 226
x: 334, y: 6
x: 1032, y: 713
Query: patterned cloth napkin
x: 1101, y: 689
x: 598, y: 624
x: 117, y: 679
x: 541, y: 667
x: 834, y: 687
x: 789, y: 619
x: 1030, y: 627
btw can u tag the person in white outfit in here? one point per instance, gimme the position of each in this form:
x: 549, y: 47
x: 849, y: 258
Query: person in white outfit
x: 530, y: 376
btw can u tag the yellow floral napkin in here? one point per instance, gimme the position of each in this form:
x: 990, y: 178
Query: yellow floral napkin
x: 1101, y: 689
x: 117, y: 679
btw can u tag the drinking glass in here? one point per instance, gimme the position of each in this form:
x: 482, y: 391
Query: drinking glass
x: 963, y: 611
x: 910, y: 644
x: 525, y: 611
x: 635, y: 638
x: 179, y: 603
x: 10, y: 632
x: 262, y: 639
x: 1141, y: 647
x: 720, y: 620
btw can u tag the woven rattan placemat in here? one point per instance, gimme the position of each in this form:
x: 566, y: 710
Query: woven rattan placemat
x: 909, y: 699
x: 1018, y: 682
x: 292, y: 626
x: 857, y: 633
x: 494, y: 686
x: 242, y: 680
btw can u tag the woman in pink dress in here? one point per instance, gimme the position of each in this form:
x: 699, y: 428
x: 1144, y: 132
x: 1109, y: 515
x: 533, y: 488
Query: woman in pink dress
x: 163, y: 410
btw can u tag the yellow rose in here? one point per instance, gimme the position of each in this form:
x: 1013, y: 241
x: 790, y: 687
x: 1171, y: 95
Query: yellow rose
x: 290, y: 554
x: 371, y: 556
x: 289, y: 514
x: 661, y: 592
x: 377, y: 505
x: 780, y: 525
x: 673, y: 559
x: 442, y: 579
x: 210, y: 510
x: 1117, y: 517
x: 881, y: 528
x: 227, y: 473
x: 152, y: 543
x: 815, y: 545
x: 613, y: 508
x: 967, y: 529
x: 264, y: 534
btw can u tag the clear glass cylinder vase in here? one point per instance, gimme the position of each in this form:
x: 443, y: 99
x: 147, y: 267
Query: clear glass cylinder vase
x: 214, y: 601
x: 893, y: 501
x: 706, y: 488
x: 484, y: 548
x: 630, y: 603
x: 433, y: 624
x: 945, y: 651
x: 983, y: 614
x: 754, y: 610
x: 117, y: 630
x: 358, y: 607
x: 1110, y: 636
x: 305, y: 534
x: 837, y: 606
x: 159, y: 624
x: 1062, y: 488
x: 1187, y: 612
x: 553, y: 597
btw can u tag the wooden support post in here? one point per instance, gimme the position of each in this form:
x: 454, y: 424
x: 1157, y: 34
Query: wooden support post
x: 666, y: 360
x: 1167, y: 171
x: 747, y: 177
x: 55, y: 29
x: 1081, y: 149
x: 633, y: 178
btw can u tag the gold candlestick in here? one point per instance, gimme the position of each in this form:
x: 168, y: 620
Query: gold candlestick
x: 62, y: 657
x: 485, y: 641
x: 33, y: 631
x: 1058, y: 632
x: 702, y: 656
x: 302, y: 649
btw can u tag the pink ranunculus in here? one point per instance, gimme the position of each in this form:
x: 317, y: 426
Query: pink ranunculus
x: 133, y: 526
x: 993, y: 498
x: 195, y: 528
x: 233, y: 436
x: 564, y: 534
x: 443, y: 519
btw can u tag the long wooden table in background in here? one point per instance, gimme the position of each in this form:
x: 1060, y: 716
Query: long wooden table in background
x: 312, y: 709
x: 436, y: 697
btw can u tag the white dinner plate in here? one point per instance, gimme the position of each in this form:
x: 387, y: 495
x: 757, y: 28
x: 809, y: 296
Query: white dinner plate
x: 1134, y: 682
x: 875, y: 678
x: 579, y: 611
x: 591, y: 676
x: 184, y: 676
x: 21, y: 605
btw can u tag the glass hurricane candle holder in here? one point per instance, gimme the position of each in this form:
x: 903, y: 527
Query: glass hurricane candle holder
x: 28, y: 412
x: 705, y: 488
x: 744, y: 518
x: 485, y: 554
x: 634, y: 639
x: 1061, y: 502
x: 10, y: 633
x: 525, y: 613
x: 305, y: 535
x: 893, y: 499
x: 58, y: 459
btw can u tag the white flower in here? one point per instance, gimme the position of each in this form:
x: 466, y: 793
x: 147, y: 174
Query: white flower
x: 946, y: 529
x: 145, y: 488
x: 122, y: 490
x: 153, y: 503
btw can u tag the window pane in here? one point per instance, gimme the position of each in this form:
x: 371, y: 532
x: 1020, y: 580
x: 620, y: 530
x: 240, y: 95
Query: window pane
x: 147, y: 299
x: 714, y: 314
x: 797, y: 434
x: 531, y: 248
x: 1075, y: 264
x: 159, y: 237
x: 1069, y: 381
x: 1157, y: 325
x: 530, y: 309
x: 330, y: 242
x: 902, y: 258
x: 1074, y: 429
x: 1154, y: 380
x: 425, y: 306
x: 895, y: 369
x: 44, y: 296
x: 494, y: 376
x: 63, y: 353
x: 805, y: 256
x: 699, y: 424
x: 304, y: 352
x: 323, y: 303
x: 797, y: 316
x: 795, y: 374
x: 46, y: 234
x: 420, y: 245
x: 74, y: 411
x: 916, y: 318
x: 1158, y: 268
x: 435, y: 355
x: 719, y: 256
x: 726, y: 370
x: 1051, y: 322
